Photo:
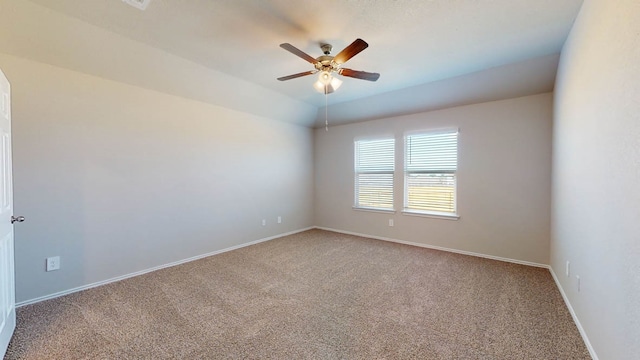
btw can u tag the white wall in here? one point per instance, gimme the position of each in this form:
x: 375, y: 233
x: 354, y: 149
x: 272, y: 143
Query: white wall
x: 117, y: 179
x: 596, y: 175
x: 504, y: 179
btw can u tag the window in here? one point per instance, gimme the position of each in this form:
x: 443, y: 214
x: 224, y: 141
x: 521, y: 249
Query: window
x: 431, y: 161
x: 374, y: 166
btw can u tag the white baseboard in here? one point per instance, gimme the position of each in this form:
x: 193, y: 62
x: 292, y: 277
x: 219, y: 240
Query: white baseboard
x: 118, y: 278
x: 528, y: 263
x: 592, y: 352
x: 515, y: 261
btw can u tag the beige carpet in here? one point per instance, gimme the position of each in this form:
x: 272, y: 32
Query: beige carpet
x: 313, y: 295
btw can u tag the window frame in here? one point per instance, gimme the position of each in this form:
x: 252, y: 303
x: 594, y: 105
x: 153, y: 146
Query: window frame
x: 356, y: 172
x: 430, y: 213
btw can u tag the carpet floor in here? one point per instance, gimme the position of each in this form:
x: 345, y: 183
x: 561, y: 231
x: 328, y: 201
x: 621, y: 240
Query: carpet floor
x: 312, y: 295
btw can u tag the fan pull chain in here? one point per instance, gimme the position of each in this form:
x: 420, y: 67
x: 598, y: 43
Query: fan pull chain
x: 326, y: 118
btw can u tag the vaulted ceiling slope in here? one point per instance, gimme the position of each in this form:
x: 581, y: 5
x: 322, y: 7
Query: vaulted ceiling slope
x: 226, y: 52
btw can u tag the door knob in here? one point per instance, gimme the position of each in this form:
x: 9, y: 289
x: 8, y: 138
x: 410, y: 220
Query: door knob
x: 17, y: 219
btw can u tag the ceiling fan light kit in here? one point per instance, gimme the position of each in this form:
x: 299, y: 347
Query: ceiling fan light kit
x: 327, y: 64
x: 326, y: 83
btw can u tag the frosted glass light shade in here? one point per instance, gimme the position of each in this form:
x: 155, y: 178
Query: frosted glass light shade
x: 326, y: 83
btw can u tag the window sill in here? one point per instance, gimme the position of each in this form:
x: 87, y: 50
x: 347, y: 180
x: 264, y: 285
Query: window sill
x: 431, y: 215
x: 374, y: 210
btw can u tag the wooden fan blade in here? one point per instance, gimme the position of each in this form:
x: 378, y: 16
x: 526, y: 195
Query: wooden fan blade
x: 297, y: 75
x: 359, y: 74
x: 350, y: 51
x: 295, y: 51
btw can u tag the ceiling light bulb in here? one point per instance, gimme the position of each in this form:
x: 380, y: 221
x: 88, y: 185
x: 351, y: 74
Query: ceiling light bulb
x: 325, y: 77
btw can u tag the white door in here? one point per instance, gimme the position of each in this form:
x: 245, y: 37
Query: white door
x: 7, y: 285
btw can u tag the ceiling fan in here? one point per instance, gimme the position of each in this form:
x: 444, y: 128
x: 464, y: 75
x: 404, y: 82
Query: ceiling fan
x: 327, y: 64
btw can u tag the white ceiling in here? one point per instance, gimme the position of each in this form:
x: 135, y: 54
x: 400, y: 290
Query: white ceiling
x: 411, y: 42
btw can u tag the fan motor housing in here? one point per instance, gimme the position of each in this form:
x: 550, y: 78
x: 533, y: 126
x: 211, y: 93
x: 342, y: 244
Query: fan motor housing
x: 325, y: 63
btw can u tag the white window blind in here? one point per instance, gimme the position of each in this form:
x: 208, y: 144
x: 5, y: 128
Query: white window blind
x: 431, y: 162
x: 374, y: 166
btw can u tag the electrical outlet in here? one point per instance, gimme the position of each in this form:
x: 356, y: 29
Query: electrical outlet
x: 390, y: 222
x: 53, y: 263
x: 568, y: 268
x: 279, y: 219
x: 264, y: 222
x: 578, y: 278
